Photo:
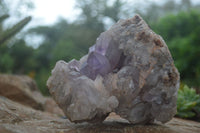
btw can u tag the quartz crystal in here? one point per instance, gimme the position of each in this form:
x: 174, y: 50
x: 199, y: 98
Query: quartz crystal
x: 129, y: 71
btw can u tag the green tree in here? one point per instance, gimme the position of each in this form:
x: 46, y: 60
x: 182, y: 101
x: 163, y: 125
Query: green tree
x: 15, y: 55
x: 63, y: 41
x: 23, y: 57
x: 6, y: 60
x: 4, y: 14
x: 8, y: 33
x: 154, y: 11
x: 94, y: 12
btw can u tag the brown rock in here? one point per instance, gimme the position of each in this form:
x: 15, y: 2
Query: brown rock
x: 23, y: 90
x: 20, y: 89
x: 52, y: 107
x: 12, y: 112
x: 17, y: 118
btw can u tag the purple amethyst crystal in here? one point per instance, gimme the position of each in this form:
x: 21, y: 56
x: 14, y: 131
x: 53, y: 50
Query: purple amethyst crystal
x: 128, y: 71
x: 103, y: 57
x: 96, y: 64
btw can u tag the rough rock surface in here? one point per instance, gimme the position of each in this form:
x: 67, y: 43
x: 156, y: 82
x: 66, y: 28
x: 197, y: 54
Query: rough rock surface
x: 23, y: 89
x: 17, y: 118
x: 12, y: 112
x: 128, y: 71
x: 51, y: 106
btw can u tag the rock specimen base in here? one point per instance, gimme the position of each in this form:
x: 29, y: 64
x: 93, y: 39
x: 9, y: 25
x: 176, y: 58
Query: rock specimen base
x: 128, y: 71
x: 16, y: 118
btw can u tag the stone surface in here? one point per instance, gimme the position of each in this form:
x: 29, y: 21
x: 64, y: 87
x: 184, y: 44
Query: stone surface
x: 51, y: 106
x: 17, y: 118
x: 61, y: 126
x: 13, y: 112
x: 128, y: 71
x: 23, y: 89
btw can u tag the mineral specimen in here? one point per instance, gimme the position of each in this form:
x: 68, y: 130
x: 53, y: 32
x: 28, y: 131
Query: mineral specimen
x: 128, y: 71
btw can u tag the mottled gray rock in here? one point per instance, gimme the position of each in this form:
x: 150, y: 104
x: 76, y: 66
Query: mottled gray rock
x: 128, y: 71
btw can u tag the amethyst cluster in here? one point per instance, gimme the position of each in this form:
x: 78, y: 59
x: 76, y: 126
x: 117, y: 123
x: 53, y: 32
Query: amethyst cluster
x: 128, y: 71
x: 103, y: 57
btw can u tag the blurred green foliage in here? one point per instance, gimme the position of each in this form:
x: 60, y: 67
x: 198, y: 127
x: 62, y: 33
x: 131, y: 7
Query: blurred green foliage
x: 10, y: 56
x: 188, y: 103
x: 8, y: 33
x: 182, y: 34
x: 6, y: 61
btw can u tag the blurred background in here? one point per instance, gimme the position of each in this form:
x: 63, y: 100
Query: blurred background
x: 34, y: 34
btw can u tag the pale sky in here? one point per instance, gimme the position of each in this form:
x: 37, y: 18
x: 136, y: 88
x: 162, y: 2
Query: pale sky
x: 47, y: 11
